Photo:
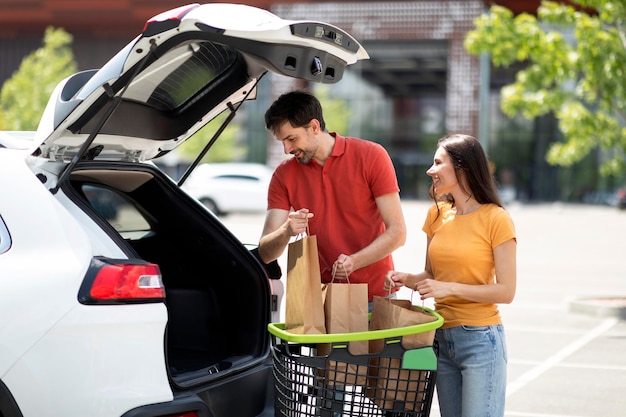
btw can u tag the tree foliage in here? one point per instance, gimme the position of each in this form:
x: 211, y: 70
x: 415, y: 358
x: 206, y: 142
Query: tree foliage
x: 336, y: 111
x: 580, y: 79
x: 226, y: 149
x: 24, y: 96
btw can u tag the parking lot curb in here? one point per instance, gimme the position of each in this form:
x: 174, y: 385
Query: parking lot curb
x: 609, y: 306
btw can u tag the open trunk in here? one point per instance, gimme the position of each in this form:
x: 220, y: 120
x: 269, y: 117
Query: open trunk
x: 92, y: 151
x: 217, y: 293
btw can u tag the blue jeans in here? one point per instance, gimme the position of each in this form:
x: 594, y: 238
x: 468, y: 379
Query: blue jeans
x: 471, y: 371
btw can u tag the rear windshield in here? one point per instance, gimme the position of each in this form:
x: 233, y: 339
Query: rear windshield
x: 202, y: 63
x: 173, y: 93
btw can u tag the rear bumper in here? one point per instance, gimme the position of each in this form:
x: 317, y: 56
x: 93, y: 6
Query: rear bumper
x: 247, y: 394
x: 180, y: 405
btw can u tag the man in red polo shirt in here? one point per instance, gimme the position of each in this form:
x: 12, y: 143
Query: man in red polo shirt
x: 344, y: 189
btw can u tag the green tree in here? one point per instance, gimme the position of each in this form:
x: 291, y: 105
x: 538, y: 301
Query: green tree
x: 336, y: 111
x: 579, y: 79
x: 24, y: 96
x: 225, y: 149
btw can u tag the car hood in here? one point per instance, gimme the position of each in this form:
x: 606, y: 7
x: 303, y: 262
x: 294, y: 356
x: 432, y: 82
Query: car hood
x: 188, y: 65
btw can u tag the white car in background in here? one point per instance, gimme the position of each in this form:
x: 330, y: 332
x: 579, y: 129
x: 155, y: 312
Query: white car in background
x: 120, y: 295
x: 230, y: 187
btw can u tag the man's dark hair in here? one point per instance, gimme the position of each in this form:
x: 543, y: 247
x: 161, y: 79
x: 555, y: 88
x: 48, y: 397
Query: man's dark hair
x: 297, y: 107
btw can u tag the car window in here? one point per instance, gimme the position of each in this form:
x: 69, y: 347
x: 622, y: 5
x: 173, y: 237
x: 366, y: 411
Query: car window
x: 117, y: 210
x: 201, y: 64
x: 5, y: 237
x: 167, y: 100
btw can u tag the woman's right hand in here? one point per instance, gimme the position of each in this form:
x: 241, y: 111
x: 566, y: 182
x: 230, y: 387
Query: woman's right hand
x: 394, y: 279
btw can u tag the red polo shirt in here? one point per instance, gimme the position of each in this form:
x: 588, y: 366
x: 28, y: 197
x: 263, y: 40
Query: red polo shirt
x: 341, y: 194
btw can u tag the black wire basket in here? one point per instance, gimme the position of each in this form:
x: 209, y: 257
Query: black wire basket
x: 316, y: 375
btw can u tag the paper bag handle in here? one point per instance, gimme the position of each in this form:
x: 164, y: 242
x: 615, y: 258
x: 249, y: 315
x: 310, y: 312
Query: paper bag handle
x: 413, y: 292
x: 302, y: 235
x: 335, y: 270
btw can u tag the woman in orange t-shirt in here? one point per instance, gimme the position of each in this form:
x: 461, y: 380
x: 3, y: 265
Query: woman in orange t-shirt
x: 470, y: 268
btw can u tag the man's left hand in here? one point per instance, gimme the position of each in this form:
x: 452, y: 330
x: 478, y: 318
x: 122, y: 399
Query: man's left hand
x: 343, y: 267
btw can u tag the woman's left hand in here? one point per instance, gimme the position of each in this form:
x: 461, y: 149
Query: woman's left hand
x: 394, y: 279
x: 429, y: 288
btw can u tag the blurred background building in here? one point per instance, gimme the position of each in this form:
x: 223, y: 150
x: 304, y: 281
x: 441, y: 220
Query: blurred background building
x: 419, y: 84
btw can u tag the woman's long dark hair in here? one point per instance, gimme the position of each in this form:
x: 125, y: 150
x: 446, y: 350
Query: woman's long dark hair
x: 467, y: 156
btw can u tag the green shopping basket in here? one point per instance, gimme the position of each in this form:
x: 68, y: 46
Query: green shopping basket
x: 315, y: 375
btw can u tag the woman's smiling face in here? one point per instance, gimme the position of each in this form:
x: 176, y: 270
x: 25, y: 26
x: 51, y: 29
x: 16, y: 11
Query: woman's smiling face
x: 442, y: 172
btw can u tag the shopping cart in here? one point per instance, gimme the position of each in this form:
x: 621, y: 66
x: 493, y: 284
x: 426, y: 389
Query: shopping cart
x: 316, y: 375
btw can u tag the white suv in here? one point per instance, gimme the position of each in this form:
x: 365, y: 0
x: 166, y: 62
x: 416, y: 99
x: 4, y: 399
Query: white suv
x: 121, y: 294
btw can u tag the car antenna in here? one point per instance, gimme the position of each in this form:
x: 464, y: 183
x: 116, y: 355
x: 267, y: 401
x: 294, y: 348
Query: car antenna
x: 113, y: 104
x: 231, y: 116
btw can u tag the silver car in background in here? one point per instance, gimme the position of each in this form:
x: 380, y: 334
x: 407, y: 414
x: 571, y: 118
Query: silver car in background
x: 237, y: 187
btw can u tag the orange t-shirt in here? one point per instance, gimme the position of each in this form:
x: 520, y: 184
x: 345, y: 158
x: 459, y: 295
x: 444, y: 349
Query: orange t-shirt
x: 461, y: 250
x: 341, y: 194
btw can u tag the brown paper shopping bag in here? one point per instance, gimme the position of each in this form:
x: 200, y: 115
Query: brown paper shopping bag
x: 391, y: 313
x: 346, y: 311
x: 304, y: 310
x: 393, y: 384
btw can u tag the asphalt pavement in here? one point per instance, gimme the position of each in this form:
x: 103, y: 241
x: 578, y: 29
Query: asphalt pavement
x: 565, y: 330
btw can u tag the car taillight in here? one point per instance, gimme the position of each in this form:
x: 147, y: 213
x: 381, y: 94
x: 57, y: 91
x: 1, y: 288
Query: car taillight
x: 121, y: 281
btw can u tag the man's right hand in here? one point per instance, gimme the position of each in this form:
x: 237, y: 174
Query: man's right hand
x: 298, y: 221
x: 280, y: 226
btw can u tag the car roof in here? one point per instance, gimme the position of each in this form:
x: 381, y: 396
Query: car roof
x: 186, y: 67
x: 16, y: 139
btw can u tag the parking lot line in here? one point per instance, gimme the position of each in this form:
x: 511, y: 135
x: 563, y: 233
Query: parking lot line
x: 553, y: 360
x: 514, y: 414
